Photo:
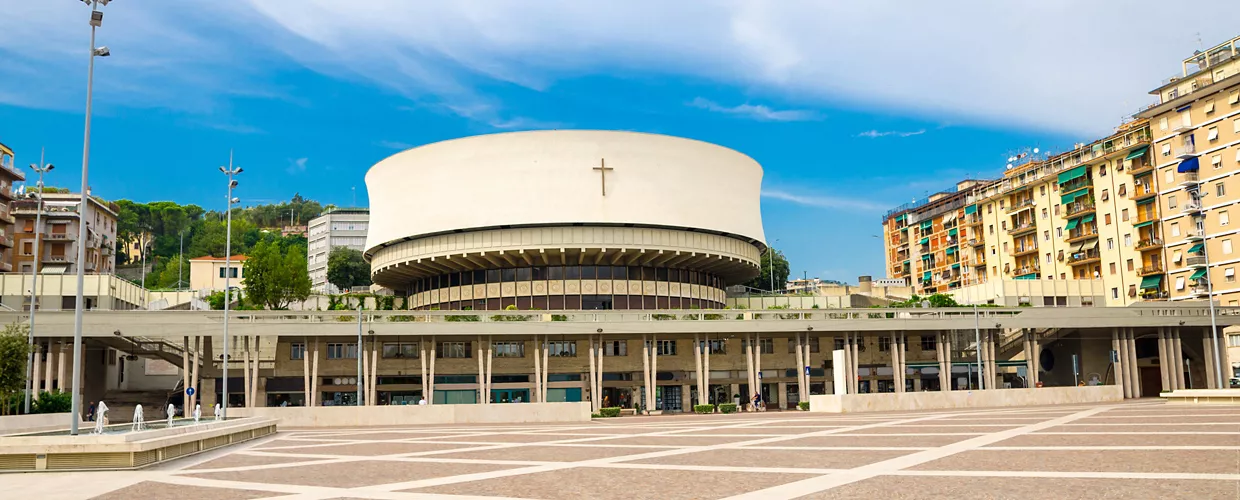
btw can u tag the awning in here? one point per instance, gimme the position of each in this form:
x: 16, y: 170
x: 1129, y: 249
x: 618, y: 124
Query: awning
x: 971, y: 209
x: 1087, y: 218
x: 901, y: 216
x: 1151, y: 282
x: 1075, y: 173
x: 1137, y: 153
x: 924, y: 241
x: 951, y: 232
x: 951, y: 250
x: 1196, y: 248
x: 1146, y: 201
x: 1031, y: 276
x: 926, y: 256
x: 927, y: 225
x: 1197, y: 275
x: 926, y: 277
x: 1071, y: 197
x: 1183, y: 108
x: 1072, y: 224
x: 956, y: 266
x: 1189, y: 165
x: 950, y: 216
x: 1143, y: 224
x: 53, y: 269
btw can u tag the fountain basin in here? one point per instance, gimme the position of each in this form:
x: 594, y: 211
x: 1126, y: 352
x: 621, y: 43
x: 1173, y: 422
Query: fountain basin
x: 119, y: 449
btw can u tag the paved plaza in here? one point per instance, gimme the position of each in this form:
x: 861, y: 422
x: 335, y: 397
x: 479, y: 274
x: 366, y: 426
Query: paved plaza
x: 1130, y: 450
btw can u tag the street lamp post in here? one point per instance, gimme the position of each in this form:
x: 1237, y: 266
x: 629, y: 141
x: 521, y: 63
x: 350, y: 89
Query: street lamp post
x: 96, y: 20
x: 40, y: 169
x: 1205, y: 253
x: 231, y: 172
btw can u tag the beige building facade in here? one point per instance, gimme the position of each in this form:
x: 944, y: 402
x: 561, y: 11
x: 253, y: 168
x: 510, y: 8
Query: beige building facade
x: 58, y: 234
x: 8, y: 175
x: 209, y: 273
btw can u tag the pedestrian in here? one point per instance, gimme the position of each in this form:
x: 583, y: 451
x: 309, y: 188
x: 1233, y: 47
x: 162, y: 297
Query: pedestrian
x: 422, y: 402
x: 90, y: 412
x: 757, y: 402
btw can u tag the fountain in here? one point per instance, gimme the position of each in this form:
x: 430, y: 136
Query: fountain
x: 218, y: 411
x: 197, y: 413
x: 101, y: 418
x: 172, y: 412
x: 139, y: 423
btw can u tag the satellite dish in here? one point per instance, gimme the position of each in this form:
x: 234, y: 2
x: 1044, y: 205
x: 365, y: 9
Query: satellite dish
x: 1009, y: 166
x: 1035, y: 151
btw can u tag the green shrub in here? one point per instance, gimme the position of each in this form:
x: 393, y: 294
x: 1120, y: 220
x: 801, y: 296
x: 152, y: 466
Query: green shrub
x: 609, y: 412
x: 595, y: 415
x: 704, y: 409
x: 803, y: 405
x: 727, y: 407
x: 559, y: 317
x: 510, y: 317
x: 52, y: 402
x: 663, y: 317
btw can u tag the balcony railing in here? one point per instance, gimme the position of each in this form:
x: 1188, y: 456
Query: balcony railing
x: 60, y: 236
x: 1083, y: 257
x: 56, y: 258
x: 1022, y: 271
x: 1020, y: 205
x: 1023, y: 250
x: 1191, y: 206
x: 1149, y: 243
x: 1195, y: 261
x: 1199, y: 290
x: 1078, y: 209
x: 1152, y: 268
x: 1141, y: 167
x: 1189, y: 179
x: 1079, y: 234
x: 1140, y: 191
x: 1028, y: 226
x: 1186, y: 151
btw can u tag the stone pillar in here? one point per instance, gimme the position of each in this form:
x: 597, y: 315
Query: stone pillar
x: 808, y: 363
x: 60, y: 371
x: 536, y: 397
x: 782, y: 394
x: 598, y: 384
x: 1135, y: 371
x: 425, y: 380
x: 706, y: 371
x: 305, y: 370
x: 1207, y: 352
x: 185, y: 380
x: 195, y: 369
x: 490, y: 371
x: 1037, y: 359
x: 749, y: 368
x: 736, y: 390
x: 47, y: 367
x: 254, y: 401
x: 994, y: 360
x: 1117, y: 365
x: 799, y: 351
x: 654, y: 369
x: 846, y: 366
x: 1163, y: 368
x: 374, y: 370
x: 939, y: 347
x: 1177, y: 349
x: 757, y: 363
x: 697, y: 366
x: 594, y: 399
x: 314, y: 374
x: 1122, y: 367
x: 686, y: 404
x: 648, y: 400
x: 858, y: 339
x: 483, y: 397
x: 430, y: 379
x: 546, y: 368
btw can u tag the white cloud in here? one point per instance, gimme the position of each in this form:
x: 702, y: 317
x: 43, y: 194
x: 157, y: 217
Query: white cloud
x: 1011, y: 63
x: 394, y: 145
x: 758, y: 112
x: 824, y: 201
x: 296, y: 166
x: 874, y: 134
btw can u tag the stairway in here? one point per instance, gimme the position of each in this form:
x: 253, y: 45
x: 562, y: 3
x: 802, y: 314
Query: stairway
x: 121, y: 405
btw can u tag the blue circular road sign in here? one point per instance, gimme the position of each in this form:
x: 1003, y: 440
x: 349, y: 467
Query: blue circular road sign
x: 189, y: 391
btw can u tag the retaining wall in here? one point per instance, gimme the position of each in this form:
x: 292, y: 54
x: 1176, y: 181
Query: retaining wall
x: 854, y: 403
x: 354, y: 416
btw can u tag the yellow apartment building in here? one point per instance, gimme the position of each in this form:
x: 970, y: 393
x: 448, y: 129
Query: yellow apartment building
x: 1196, y: 128
x: 933, y: 244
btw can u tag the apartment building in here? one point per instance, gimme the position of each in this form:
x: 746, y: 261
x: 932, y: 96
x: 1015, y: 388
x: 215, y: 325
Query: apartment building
x: 933, y: 243
x: 1084, y: 214
x: 58, y: 234
x: 340, y: 227
x: 8, y: 174
x: 1196, y: 128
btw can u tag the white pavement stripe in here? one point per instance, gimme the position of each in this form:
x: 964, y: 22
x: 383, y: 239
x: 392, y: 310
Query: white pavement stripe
x: 813, y: 485
x: 1066, y: 475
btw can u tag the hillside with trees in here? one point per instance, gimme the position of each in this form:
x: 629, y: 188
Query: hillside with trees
x: 169, y: 227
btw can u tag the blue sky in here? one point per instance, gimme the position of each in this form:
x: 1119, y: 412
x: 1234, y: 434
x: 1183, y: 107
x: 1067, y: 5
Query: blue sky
x: 851, y: 107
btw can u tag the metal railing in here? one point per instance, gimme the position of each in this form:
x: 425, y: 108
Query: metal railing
x: 1150, y: 269
x: 1195, y: 260
x: 1078, y: 208
x: 1149, y: 243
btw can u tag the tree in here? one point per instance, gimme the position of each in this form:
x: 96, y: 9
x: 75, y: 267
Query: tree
x: 346, y: 268
x: 763, y: 280
x: 935, y: 300
x: 13, y: 354
x: 273, y: 279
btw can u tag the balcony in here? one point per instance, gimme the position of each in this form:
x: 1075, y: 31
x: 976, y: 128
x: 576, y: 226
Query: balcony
x: 1020, y: 205
x: 1141, y: 191
x: 974, y: 242
x: 1149, y: 244
x: 1191, y: 207
x: 1143, y: 167
x: 6, y: 241
x: 56, y: 259
x: 1026, y: 270
x: 1200, y: 290
x: 1190, y: 179
x: 1152, y: 268
x: 1186, y: 151
x: 1076, y: 235
x: 1182, y: 128
x: 1024, y: 250
x: 1076, y: 209
x: 60, y: 236
x: 1195, y: 261
x: 1195, y: 234
x: 973, y: 220
x: 6, y: 191
x: 1087, y: 257
x: 1022, y: 229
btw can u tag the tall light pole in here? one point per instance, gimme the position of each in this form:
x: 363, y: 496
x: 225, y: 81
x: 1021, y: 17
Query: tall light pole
x: 96, y: 20
x: 1205, y: 252
x: 40, y: 169
x: 230, y: 171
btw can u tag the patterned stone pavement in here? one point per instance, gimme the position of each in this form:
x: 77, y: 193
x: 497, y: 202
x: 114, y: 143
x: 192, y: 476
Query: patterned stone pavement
x: 1132, y: 450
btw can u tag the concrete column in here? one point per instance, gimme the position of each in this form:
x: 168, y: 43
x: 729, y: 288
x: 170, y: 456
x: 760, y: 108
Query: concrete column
x: 799, y: 351
x: 536, y: 397
x: 483, y: 397
x: 60, y: 371
x: 706, y: 371
x: 894, y: 351
x: 858, y: 339
x: 654, y: 367
x: 546, y: 368
x: 1037, y: 359
x: 34, y: 370
x: 490, y: 369
x: 425, y: 380
x: 757, y: 363
x: 314, y: 374
x: 305, y: 369
x: 686, y: 404
x: 917, y: 383
x: 904, y: 360
x: 1163, y: 369
x: 1135, y: 371
x: 736, y: 389
x: 194, y: 368
x: 598, y: 384
x: 1177, y: 349
x: 697, y: 366
x: 938, y: 356
x: 254, y: 376
x: 374, y: 371
x: 1122, y: 368
x: 1208, y: 360
x: 245, y: 370
x: 847, y: 367
x: 748, y: 367
x: 1130, y: 363
x: 648, y: 400
x: 1117, y: 365
x: 809, y: 363
x: 994, y: 361
x: 47, y: 367
x: 185, y: 381
x: 430, y: 380
x: 594, y: 398
x: 782, y: 394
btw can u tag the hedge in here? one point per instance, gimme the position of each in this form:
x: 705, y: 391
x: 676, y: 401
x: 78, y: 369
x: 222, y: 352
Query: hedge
x: 727, y: 408
x: 703, y: 409
x: 803, y: 405
x: 609, y: 412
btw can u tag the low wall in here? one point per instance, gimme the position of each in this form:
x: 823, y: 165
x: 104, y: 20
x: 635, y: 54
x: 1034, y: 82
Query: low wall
x: 353, y: 416
x: 1203, y: 396
x: 854, y: 403
x: 11, y: 424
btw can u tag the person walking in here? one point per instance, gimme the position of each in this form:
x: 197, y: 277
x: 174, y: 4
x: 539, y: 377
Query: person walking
x: 90, y: 412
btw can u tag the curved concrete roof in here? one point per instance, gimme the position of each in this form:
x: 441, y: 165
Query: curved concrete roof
x: 548, y: 177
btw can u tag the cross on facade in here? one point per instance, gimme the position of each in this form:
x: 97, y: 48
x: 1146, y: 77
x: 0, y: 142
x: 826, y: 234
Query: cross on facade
x: 603, y: 168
